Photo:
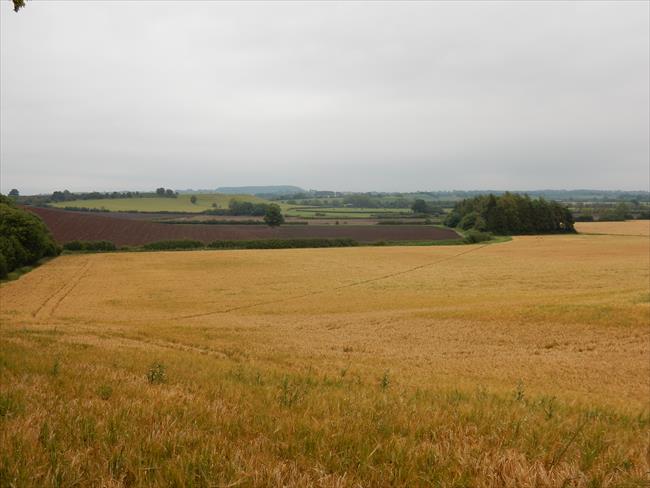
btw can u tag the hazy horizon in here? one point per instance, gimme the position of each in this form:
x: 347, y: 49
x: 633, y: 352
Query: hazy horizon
x: 421, y: 190
x: 358, y: 96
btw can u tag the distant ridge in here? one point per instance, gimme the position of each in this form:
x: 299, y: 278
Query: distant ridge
x: 260, y: 190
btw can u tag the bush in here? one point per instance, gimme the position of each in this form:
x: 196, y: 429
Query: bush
x: 173, y: 245
x: 103, y: 246
x: 475, y: 236
x: 282, y: 243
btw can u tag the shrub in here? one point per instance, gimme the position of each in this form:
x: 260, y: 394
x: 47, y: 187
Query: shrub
x: 475, y: 236
x: 173, y: 245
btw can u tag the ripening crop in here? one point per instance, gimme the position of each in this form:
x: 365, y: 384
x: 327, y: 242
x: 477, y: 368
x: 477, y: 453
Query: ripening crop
x: 521, y: 363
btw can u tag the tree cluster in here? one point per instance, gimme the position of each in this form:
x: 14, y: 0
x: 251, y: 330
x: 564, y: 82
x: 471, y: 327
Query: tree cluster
x: 24, y: 238
x: 166, y: 192
x: 511, y: 214
x: 66, y: 196
x: 242, y: 207
x: 620, y: 212
x: 421, y: 206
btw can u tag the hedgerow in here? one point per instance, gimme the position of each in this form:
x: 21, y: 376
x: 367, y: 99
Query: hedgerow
x: 89, y: 246
x: 282, y: 243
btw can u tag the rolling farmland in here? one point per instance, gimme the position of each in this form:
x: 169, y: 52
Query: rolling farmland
x: 516, y: 364
x: 67, y: 226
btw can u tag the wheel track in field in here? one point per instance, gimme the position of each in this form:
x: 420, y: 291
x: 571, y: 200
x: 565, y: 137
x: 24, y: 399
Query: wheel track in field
x: 51, y: 303
x: 341, y: 287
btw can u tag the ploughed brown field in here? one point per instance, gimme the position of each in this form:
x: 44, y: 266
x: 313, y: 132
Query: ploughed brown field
x: 69, y: 226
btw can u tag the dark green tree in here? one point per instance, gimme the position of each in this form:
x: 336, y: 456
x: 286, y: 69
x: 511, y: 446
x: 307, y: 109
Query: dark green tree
x: 14, y: 193
x: 420, y: 206
x: 273, y: 216
x: 193, y: 199
x: 24, y: 238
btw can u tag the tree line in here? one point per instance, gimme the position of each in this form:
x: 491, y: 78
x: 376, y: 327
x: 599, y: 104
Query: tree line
x: 511, y: 213
x: 67, y: 196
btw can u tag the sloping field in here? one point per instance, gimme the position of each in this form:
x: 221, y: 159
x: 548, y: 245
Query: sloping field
x: 68, y: 226
x: 627, y: 228
x: 522, y: 364
x: 161, y: 204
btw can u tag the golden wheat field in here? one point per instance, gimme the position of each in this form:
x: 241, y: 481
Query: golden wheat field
x: 522, y: 364
x: 630, y: 227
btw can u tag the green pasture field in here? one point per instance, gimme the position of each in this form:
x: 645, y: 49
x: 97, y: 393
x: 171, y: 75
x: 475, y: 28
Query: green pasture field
x: 160, y: 204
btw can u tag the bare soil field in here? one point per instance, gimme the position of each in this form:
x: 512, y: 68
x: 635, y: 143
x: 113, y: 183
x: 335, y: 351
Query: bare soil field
x: 520, y: 364
x: 627, y: 228
x: 68, y: 226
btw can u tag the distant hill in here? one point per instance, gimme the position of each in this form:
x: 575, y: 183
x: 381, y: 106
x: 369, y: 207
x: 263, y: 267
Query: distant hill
x: 260, y: 190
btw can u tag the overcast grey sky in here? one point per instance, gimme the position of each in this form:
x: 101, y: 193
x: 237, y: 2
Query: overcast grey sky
x: 348, y: 96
